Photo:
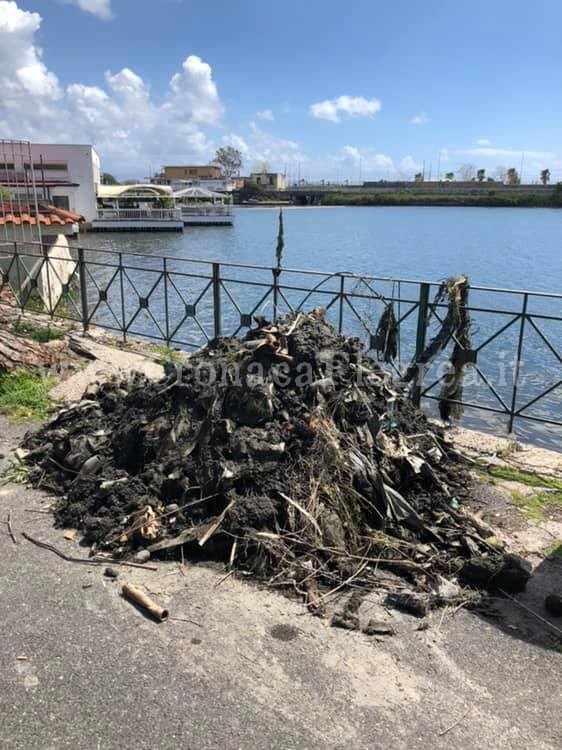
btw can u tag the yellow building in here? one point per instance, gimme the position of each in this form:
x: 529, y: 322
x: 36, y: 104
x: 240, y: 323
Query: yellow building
x: 268, y: 180
x: 199, y: 172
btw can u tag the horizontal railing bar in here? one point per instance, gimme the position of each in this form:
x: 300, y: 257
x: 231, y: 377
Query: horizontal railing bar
x: 326, y: 274
x: 466, y: 404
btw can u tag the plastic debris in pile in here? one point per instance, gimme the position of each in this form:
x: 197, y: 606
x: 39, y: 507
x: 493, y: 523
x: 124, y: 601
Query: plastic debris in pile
x: 289, y: 454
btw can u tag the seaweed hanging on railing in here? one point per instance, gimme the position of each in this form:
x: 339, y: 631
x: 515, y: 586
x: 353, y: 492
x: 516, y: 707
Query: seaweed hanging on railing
x: 455, y: 290
x: 385, y: 340
x: 451, y: 393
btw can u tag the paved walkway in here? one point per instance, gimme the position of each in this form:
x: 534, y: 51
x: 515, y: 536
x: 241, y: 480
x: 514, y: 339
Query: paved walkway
x: 224, y: 673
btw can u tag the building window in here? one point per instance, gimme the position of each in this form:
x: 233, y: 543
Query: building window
x: 61, y: 201
x: 49, y: 166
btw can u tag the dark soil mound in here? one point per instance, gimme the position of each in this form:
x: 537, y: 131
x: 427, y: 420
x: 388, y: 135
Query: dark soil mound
x: 288, y: 453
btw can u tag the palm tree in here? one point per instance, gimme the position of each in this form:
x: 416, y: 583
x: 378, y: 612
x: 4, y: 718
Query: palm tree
x: 545, y: 176
x: 512, y: 176
x: 480, y: 175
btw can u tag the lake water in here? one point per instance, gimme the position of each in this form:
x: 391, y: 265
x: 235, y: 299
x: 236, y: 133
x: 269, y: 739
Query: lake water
x: 508, y: 248
x: 517, y: 248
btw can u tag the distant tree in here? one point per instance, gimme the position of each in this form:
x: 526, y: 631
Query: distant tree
x: 513, y: 176
x: 5, y: 194
x: 500, y: 173
x: 490, y: 179
x: 229, y: 159
x: 449, y: 176
x: 467, y: 172
x: 419, y: 177
x: 130, y: 182
x: 545, y: 176
x: 480, y: 175
x: 108, y: 179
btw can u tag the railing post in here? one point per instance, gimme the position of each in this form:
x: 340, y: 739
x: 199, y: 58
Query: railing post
x: 45, y: 253
x: 341, y: 296
x: 517, y: 365
x: 83, y: 289
x: 276, y: 273
x: 166, y: 311
x: 123, y: 323
x: 420, y: 341
x: 217, y: 299
x: 18, y: 275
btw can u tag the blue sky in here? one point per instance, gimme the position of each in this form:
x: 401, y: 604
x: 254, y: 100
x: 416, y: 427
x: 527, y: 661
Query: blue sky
x: 328, y: 88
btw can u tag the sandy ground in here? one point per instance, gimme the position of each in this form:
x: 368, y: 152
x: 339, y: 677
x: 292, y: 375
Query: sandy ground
x: 109, y: 361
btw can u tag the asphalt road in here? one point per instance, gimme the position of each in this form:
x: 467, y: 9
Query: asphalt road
x: 223, y: 673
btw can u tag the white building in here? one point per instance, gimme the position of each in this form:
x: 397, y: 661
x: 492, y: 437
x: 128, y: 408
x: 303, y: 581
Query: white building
x: 68, y: 176
x: 221, y: 185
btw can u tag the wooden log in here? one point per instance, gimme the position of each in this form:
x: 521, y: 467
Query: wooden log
x: 17, y: 352
x: 145, y: 602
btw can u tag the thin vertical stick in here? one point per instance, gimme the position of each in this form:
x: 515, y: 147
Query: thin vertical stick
x: 9, y: 525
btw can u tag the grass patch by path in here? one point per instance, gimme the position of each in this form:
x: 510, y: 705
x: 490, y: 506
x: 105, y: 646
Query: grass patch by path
x: 523, y: 477
x: 534, y: 505
x: 42, y: 334
x: 555, y: 550
x: 16, y: 473
x: 24, y: 395
x: 166, y: 356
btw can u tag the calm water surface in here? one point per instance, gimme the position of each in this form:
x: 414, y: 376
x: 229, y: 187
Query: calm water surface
x: 510, y: 248
x: 517, y: 248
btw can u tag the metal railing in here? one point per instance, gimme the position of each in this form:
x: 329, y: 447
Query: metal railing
x: 139, y: 214
x: 206, y: 210
x: 515, y: 361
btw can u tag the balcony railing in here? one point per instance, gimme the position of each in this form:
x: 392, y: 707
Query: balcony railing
x: 139, y: 214
x: 203, y: 210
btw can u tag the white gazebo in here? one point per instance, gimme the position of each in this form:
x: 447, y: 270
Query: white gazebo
x: 140, y: 207
x: 202, y: 207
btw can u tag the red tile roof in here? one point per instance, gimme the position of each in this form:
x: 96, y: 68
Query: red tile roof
x: 12, y: 213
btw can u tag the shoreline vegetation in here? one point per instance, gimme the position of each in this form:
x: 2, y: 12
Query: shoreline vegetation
x: 522, y: 200
x: 352, y: 197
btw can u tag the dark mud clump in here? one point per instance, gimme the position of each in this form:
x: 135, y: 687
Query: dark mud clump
x: 289, y: 454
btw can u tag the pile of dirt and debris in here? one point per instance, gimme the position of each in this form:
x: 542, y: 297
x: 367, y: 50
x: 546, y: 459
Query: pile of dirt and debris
x: 289, y: 454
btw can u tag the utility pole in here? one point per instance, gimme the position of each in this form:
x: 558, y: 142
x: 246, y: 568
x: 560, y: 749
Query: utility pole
x: 521, y: 168
x: 360, y: 170
x: 439, y: 167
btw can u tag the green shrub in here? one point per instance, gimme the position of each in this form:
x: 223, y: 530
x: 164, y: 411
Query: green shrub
x: 41, y: 334
x: 24, y: 395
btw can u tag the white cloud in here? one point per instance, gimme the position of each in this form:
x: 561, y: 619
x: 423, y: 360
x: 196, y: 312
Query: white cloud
x: 409, y: 165
x: 22, y: 71
x: 374, y: 165
x: 194, y: 93
x: 352, y: 106
x: 265, y: 114
x: 420, y: 119
x: 260, y: 146
x: 369, y: 162
x: 120, y: 118
x: 505, y: 153
x: 483, y: 142
x: 99, y: 8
